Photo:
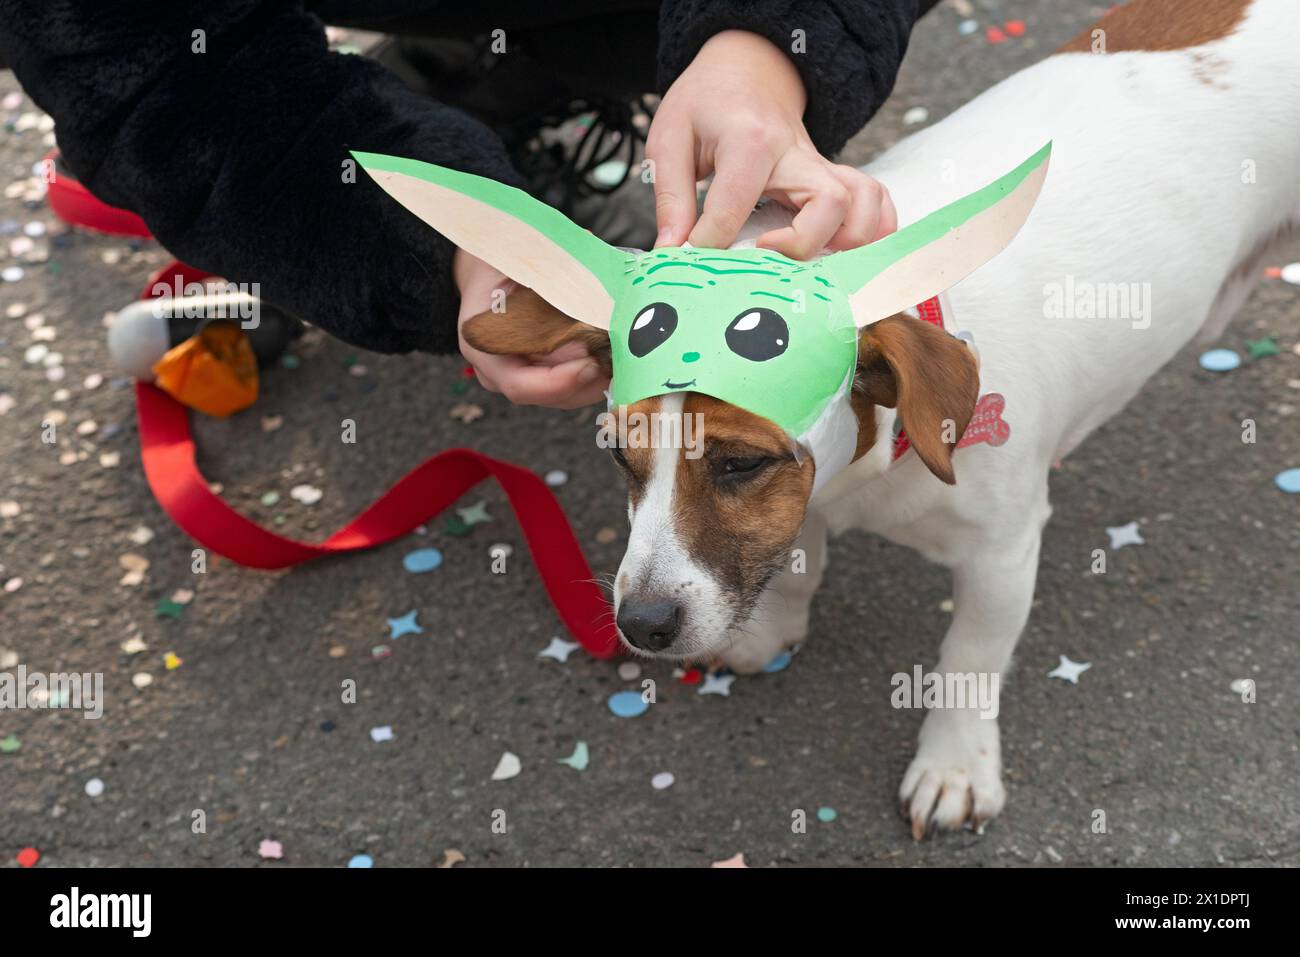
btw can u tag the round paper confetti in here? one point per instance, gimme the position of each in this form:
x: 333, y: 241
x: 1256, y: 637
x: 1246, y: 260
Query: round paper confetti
x: 628, y: 704
x: 28, y: 857
x: 1291, y: 273
x: 12, y: 273
x: 629, y: 671
x: 362, y: 860
x: 826, y: 814
x: 778, y: 663
x: 1288, y: 481
x: 1220, y: 360
x: 142, y: 679
x: 662, y: 780
x: 556, y: 477
x: 307, y: 494
x: 94, y: 787
x: 917, y: 114
x: 422, y: 560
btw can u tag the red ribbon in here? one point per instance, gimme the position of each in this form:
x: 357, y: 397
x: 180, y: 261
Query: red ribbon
x: 167, y: 451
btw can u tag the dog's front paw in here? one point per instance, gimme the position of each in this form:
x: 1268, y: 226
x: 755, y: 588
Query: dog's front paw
x: 956, y: 777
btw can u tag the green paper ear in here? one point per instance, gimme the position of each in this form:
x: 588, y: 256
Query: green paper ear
x: 527, y: 240
x: 925, y: 258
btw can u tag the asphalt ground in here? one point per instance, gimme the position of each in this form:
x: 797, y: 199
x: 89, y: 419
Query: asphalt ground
x: 1152, y: 735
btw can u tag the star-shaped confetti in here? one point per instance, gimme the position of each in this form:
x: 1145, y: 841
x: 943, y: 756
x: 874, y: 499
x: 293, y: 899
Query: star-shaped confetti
x: 559, y: 649
x: 270, y: 850
x: 10, y: 744
x: 405, y: 625
x: 171, y: 662
x: 451, y: 857
x: 1261, y: 348
x: 166, y: 608
x: 1122, y: 535
x: 1069, y: 670
x: 579, y: 759
x: 474, y: 514
x: 717, y: 684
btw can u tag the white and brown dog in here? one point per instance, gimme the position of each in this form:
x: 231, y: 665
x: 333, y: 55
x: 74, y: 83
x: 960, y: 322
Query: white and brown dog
x: 1176, y: 166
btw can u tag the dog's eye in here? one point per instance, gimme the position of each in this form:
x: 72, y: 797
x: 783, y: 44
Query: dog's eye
x: 739, y: 469
x: 758, y: 335
x: 651, y: 328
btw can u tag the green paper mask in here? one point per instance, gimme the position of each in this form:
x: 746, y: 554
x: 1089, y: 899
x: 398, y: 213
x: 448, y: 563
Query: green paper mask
x: 769, y: 334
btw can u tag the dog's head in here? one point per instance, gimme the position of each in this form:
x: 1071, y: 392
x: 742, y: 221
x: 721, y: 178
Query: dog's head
x: 717, y: 494
x: 748, y: 352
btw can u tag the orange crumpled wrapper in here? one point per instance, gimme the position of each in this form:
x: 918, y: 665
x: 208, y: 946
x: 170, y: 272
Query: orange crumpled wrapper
x: 213, y: 371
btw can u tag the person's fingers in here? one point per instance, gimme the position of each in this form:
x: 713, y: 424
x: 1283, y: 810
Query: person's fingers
x: 862, y: 222
x: 888, y: 222
x: 738, y: 182
x: 816, y: 222
x: 561, y: 354
x: 569, y: 385
x: 673, y: 155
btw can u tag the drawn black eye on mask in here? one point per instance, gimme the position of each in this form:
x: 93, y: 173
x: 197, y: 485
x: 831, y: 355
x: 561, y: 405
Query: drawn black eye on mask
x: 651, y: 328
x: 758, y: 335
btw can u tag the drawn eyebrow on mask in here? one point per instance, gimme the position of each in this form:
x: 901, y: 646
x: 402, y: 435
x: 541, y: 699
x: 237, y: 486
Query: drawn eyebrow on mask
x: 665, y: 282
x: 775, y: 296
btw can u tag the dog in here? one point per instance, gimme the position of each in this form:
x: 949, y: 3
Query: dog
x: 1175, y: 170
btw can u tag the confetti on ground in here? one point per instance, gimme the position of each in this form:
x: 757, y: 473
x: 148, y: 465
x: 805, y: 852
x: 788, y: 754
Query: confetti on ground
x: 92, y: 381
x: 1288, y: 481
x: 579, y: 758
x: 270, y: 850
x: 141, y: 535
x: 337, y: 651
x: 361, y: 860
x: 270, y: 499
x: 272, y: 422
x: 967, y: 27
x: 94, y: 787
x: 133, y: 646
x: 406, y: 625
x: 556, y: 478
x: 1220, y: 360
x: 10, y: 744
x: 1261, y: 348
x: 455, y: 527
x: 606, y: 535
x: 136, y: 566
x: 166, y: 608
x: 779, y: 663
x: 422, y: 560
x: 182, y: 596
x: 662, y: 781
x: 1069, y: 670
x: 1014, y: 28
x: 1122, y: 535
x: 10, y: 509
x: 381, y: 734
x: 1290, y: 273
x: 826, y: 814
x: 690, y: 677
x: 6, y: 403
x: 171, y: 661
x: 717, y: 684
x: 474, y: 514
x: 917, y: 114
x: 13, y: 584
x: 306, y: 494
x: 380, y: 652
x: 451, y: 857
x: 110, y: 460
x: 28, y: 857
x: 737, y: 861
x: 559, y: 649
x: 994, y: 35
x: 466, y: 412
x: 628, y: 704
x: 142, y: 680
x: 629, y: 671
x: 507, y: 767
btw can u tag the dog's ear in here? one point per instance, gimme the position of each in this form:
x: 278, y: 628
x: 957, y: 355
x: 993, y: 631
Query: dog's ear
x: 529, y: 325
x: 931, y: 378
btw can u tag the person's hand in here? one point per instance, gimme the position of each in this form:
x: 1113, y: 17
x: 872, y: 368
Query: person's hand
x: 737, y: 112
x: 567, y: 378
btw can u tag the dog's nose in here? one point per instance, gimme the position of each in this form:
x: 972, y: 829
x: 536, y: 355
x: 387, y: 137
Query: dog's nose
x: 649, y: 625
